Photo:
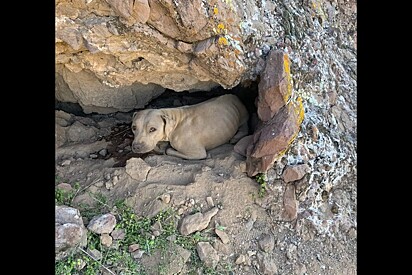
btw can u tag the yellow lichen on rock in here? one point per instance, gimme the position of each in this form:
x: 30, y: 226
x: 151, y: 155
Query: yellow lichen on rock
x: 286, y: 69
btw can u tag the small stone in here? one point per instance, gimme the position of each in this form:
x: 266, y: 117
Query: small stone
x: 156, y: 233
x: 118, y: 234
x: 100, y: 183
x: 66, y: 162
x: 210, y: 202
x: 106, y: 240
x: 137, y: 254
x: 315, y: 133
x: 102, y: 224
x: 108, y: 185
x: 241, y: 259
x: 295, y: 172
x: 96, y: 254
x: 93, y: 156
x: 115, y: 180
x: 291, y: 252
x: 267, y: 242
x: 165, y: 198
x: 267, y: 264
x: 222, y: 235
x: 251, y: 253
x: 290, y: 204
x: 103, y: 152
x: 133, y: 247
x: 157, y: 226
x: 196, y: 222
x: 207, y: 254
x: 352, y: 233
x: 65, y: 186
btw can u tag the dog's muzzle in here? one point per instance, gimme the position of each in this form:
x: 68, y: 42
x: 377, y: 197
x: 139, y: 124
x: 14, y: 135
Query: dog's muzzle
x: 137, y: 147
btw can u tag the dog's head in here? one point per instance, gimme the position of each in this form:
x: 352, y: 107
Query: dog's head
x: 149, y: 127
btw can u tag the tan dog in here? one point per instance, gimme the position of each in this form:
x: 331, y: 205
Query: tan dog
x: 191, y: 130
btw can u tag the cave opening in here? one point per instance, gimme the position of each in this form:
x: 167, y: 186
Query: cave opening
x: 119, y: 137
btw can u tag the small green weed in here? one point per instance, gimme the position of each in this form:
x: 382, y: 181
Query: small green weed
x: 262, y: 180
x: 138, y: 230
x: 63, y: 197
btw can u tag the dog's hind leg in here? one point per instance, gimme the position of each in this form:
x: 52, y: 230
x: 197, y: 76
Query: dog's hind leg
x: 241, y: 132
x: 194, y: 153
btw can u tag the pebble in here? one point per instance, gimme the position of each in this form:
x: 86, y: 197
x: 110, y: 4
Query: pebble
x: 210, y: 202
x: 103, y: 152
x: 133, y: 247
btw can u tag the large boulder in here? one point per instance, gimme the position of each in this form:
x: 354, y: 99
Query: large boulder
x: 70, y: 231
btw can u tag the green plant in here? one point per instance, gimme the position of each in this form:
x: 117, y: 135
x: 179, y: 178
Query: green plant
x: 262, y: 180
x: 138, y: 230
x: 65, y: 197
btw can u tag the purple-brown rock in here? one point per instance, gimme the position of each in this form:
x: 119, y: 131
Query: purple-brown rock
x: 272, y: 138
x: 275, y: 85
x: 295, y: 172
x: 290, y: 204
x: 280, y: 116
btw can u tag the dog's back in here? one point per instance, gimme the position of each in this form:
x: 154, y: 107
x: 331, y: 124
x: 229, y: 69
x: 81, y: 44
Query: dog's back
x: 216, y: 120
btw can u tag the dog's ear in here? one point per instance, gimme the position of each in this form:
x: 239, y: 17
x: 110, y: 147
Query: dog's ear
x: 169, y: 124
x: 134, y: 115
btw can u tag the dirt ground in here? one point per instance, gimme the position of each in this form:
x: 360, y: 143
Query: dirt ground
x: 321, y: 240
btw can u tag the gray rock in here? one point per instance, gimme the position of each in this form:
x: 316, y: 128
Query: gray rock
x: 137, y: 169
x: 137, y: 254
x: 165, y: 198
x: 118, y: 234
x: 154, y: 208
x: 69, y: 231
x: 267, y: 242
x: 242, y: 145
x: 240, y: 259
x: 96, y: 254
x: 207, y: 254
x: 292, y: 252
x: 196, y: 222
x: 134, y: 247
x: 267, y: 264
x: 60, y: 136
x: 210, y: 202
x: 222, y: 235
x: 171, y: 261
x: 102, y: 224
x: 78, y: 132
x: 64, y: 187
x: 103, y: 152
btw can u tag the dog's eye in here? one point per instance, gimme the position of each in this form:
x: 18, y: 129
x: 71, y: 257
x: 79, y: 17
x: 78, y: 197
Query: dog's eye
x: 134, y: 127
x: 152, y: 129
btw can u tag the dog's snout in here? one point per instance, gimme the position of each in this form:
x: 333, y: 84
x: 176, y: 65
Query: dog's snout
x: 137, y: 147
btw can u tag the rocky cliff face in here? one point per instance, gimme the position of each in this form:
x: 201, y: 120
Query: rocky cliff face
x: 116, y: 55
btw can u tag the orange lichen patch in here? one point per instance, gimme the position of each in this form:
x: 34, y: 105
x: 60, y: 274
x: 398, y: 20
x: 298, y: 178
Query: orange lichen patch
x: 223, y: 41
x: 286, y: 69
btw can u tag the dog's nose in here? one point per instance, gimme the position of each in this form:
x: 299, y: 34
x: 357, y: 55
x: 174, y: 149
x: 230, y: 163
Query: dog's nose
x: 137, y: 147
